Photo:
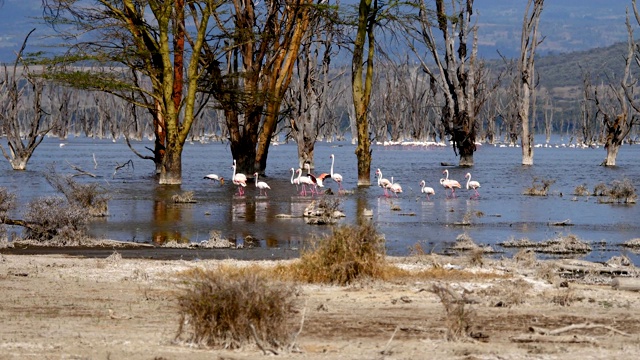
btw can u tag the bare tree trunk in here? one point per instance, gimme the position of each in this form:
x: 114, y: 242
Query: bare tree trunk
x: 361, y: 85
x: 528, y: 43
x: 14, y: 91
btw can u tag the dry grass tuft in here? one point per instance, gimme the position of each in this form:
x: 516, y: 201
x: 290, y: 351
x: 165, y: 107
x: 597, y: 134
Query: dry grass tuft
x: 539, y: 187
x: 230, y: 309
x: 526, y: 257
x: 348, y: 254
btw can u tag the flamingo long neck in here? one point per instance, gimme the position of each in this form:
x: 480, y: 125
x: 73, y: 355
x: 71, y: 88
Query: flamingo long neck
x: 332, y: 160
x: 468, y: 180
x: 422, y: 185
x: 292, y: 173
x: 234, y: 170
x: 256, y: 180
x: 379, y: 177
x: 446, y: 173
x: 299, y: 174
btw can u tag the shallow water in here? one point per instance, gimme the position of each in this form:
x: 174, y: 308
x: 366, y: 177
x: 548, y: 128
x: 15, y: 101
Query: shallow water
x: 142, y: 211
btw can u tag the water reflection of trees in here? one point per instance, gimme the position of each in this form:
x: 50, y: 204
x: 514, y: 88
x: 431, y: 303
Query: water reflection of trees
x: 166, y: 217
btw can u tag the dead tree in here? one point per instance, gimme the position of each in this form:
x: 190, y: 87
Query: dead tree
x: 526, y: 88
x: 454, y: 72
x: 22, y: 114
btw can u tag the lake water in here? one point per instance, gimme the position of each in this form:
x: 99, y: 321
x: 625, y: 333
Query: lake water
x: 142, y: 211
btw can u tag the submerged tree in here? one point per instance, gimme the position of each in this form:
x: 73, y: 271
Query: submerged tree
x: 455, y: 70
x: 260, y: 41
x: 22, y: 114
x: 361, y: 82
x: 139, y: 52
x: 526, y: 87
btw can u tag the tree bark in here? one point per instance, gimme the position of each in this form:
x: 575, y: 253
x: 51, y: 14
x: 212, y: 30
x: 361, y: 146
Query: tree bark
x: 361, y: 81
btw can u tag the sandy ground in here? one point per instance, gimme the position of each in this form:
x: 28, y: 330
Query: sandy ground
x: 63, y: 307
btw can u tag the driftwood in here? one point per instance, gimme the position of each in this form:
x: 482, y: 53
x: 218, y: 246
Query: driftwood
x: 554, y: 336
x: 81, y: 171
x: 628, y: 284
x: 566, y: 222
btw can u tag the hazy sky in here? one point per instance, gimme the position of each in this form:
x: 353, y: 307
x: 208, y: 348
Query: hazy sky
x: 563, y: 19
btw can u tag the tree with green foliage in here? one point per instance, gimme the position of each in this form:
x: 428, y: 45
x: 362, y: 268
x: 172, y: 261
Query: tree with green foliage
x: 143, y: 52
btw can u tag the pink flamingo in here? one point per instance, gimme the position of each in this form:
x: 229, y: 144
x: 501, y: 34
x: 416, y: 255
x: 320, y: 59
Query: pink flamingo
x: 472, y: 184
x: 261, y: 185
x: 304, y: 181
x: 383, y: 183
x: 450, y: 184
x: 335, y: 176
x: 395, y: 187
x: 239, y: 179
x: 426, y: 190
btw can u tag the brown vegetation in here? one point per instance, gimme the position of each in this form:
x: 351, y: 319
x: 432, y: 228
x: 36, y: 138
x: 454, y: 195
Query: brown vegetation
x: 228, y: 309
x: 539, y: 187
x: 349, y: 253
x: 55, y: 221
x: 89, y: 196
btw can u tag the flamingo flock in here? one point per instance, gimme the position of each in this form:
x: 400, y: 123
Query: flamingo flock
x: 310, y: 184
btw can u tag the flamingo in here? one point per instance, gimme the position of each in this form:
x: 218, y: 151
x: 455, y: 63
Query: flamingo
x: 472, y: 184
x: 395, y: 187
x: 294, y: 181
x: 450, y: 184
x: 383, y: 183
x: 239, y: 179
x: 335, y: 176
x: 304, y: 181
x: 314, y: 181
x: 426, y: 190
x: 215, y: 177
x: 263, y: 186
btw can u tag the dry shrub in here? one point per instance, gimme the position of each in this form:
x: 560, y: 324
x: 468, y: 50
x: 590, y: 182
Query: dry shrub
x: 564, y: 297
x: 230, y: 309
x: 7, y: 203
x: 184, y: 198
x: 55, y: 221
x: 526, y: 257
x: 622, y: 191
x: 90, y: 196
x: 539, y: 187
x: 349, y: 253
x: 508, y: 293
x: 569, y: 244
x: 600, y: 189
x: 457, y: 316
x: 581, y: 190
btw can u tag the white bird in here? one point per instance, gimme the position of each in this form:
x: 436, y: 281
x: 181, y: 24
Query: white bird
x: 304, y: 181
x: 215, y: 177
x: 261, y: 185
x: 426, y: 190
x: 239, y: 179
x: 335, y: 176
x: 294, y: 181
x: 472, y: 184
x: 383, y: 183
x: 395, y: 187
x: 450, y: 183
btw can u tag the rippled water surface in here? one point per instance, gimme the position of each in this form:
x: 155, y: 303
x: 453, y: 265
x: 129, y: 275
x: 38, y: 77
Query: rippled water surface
x: 142, y: 211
